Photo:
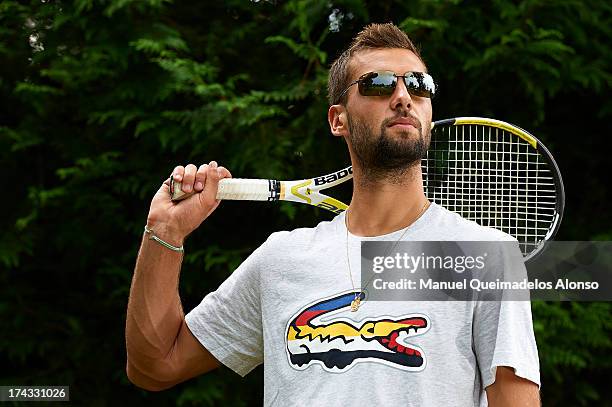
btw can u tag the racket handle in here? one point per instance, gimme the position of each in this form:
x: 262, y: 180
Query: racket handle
x: 237, y: 189
x: 244, y: 189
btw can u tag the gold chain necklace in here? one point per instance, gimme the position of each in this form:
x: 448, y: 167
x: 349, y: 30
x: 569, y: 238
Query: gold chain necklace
x: 357, y: 300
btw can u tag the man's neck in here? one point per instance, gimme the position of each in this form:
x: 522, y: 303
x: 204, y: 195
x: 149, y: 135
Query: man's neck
x: 382, y: 206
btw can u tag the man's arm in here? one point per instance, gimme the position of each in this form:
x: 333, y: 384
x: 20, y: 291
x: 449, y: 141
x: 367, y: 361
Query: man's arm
x: 509, y: 390
x: 161, y: 351
x: 160, y: 348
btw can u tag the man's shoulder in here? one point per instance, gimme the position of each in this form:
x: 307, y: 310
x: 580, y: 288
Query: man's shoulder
x: 456, y: 227
x: 304, y: 236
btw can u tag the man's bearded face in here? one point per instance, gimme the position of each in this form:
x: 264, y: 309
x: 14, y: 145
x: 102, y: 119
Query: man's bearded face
x: 381, y: 154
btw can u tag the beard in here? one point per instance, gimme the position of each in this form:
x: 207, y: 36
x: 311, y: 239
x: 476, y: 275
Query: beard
x: 384, y: 157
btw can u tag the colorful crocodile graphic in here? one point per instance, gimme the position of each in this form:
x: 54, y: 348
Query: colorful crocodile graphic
x: 314, y: 337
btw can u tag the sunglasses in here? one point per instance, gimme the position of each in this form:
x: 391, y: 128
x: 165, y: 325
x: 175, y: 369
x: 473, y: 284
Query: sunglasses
x: 383, y: 83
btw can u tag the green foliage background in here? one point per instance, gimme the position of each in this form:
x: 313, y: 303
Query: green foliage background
x: 99, y: 100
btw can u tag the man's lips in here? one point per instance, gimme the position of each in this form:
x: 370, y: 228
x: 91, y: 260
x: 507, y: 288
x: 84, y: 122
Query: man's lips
x: 404, y: 122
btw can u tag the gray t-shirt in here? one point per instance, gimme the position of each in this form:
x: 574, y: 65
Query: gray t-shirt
x: 288, y: 306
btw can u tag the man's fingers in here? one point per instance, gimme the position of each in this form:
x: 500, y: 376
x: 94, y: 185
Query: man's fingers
x: 178, y: 172
x: 189, y: 178
x: 204, y: 179
x: 212, y: 184
x: 224, y: 173
x: 200, y: 178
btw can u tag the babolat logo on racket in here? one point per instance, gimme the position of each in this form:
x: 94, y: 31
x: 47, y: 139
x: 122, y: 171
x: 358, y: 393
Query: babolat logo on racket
x: 319, y: 334
x: 326, y: 179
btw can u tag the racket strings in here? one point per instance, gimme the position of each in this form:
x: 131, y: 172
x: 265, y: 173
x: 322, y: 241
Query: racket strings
x: 494, y: 178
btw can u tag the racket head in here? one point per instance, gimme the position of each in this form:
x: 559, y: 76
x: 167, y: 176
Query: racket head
x: 498, y: 175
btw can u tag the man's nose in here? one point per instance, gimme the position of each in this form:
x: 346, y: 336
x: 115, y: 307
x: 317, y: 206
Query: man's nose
x: 400, y: 99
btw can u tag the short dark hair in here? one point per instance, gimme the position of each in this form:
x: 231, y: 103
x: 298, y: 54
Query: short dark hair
x: 373, y: 36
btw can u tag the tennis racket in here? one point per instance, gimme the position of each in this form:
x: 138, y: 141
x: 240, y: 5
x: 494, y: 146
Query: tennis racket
x: 486, y: 170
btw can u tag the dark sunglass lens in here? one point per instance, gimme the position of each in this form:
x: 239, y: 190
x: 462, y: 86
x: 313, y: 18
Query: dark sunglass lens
x: 377, y: 84
x: 420, y: 84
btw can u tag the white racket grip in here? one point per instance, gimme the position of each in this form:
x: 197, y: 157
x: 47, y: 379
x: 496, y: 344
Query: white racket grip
x: 237, y: 189
x: 244, y: 189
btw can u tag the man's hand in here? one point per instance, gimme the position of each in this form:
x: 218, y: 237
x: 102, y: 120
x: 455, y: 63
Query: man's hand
x: 509, y: 390
x: 173, y: 221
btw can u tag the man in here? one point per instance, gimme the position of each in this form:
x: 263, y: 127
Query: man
x: 293, y: 304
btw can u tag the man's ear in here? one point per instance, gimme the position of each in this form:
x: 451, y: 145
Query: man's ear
x: 338, y: 120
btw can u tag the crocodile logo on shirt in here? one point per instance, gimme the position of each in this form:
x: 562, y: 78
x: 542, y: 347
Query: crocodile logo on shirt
x: 321, y: 334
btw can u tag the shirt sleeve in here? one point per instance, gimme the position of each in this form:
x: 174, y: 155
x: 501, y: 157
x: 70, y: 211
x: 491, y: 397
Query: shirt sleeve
x: 228, y: 321
x: 503, y: 334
